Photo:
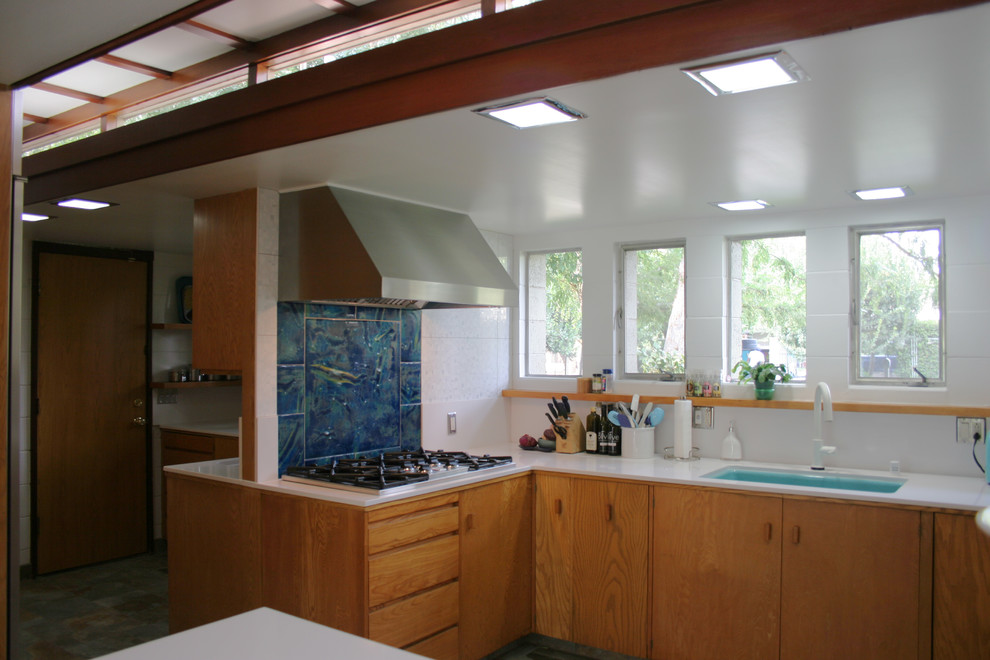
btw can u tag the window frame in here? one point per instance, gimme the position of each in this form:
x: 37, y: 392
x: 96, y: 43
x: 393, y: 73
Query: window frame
x: 528, y: 314
x: 620, y: 311
x: 855, y: 235
x: 731, y: 294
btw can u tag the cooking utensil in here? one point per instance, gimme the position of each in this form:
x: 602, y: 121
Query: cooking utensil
x: 567, y: 406
x: 634, y: 408
x: 560, y: 430
x: 644, y: 418
x: 619, y: 419
x: 655, y: 417
x: 559, y: 406
x: 553, y: 410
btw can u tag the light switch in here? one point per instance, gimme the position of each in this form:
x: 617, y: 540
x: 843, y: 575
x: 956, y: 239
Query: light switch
x: 451, y: 423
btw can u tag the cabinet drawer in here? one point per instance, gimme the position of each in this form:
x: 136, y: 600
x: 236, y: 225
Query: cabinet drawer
x: 410, y: 528
x: 442, y: 646
x: 405, y: 571
x: 407, y: 620
x: 226, y: 446
x: 187, y: 441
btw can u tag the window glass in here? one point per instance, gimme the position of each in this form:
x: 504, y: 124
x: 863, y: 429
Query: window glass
x: 553, y: 313
x: 898, y: 287
x: 768, y: 302
x: 653, y: 311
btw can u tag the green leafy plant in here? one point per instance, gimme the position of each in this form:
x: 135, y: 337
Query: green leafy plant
x: 763, y: 372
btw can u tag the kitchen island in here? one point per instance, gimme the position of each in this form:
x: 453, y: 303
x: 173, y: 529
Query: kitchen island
x: 621, y: 554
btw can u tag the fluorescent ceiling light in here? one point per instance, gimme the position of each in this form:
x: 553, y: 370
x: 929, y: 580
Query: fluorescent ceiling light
x: 881, y: 193
x: 742, y: 205
x: 33, y: 217
x: 84, y: 204
x: 532, y: 112
x: 747, y: 74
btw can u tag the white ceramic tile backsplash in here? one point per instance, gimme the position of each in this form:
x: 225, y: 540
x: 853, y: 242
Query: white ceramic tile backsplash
x: 828, y: 292
x: 829, y: 334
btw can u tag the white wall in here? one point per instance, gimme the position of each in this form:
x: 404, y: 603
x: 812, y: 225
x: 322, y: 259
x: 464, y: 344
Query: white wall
x: 921, y: 442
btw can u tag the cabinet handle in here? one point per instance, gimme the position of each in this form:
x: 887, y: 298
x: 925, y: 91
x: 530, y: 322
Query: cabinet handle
x: 609, y: 513
x: 768, y: 531
x: 469, y: 522
x: 796, y: 535
x: 560, y: 507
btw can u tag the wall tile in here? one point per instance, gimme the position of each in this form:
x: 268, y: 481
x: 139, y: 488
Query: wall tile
x: 291, y: 389
x: 412, y: 323
x: 324, y: 311
x: 411, y: 434
x: 290, y: 441
x: 290, y: 332
x: 410, y: 384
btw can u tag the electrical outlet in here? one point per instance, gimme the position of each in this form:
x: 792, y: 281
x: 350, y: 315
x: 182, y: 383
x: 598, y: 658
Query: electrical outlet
x: 704, y: 417
x: 970, y: 429
x: 166, y: 397
x: 451, y: 423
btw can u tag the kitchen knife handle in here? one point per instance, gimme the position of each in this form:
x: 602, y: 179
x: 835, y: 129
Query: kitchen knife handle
x: 768, y: 531
x: 469, y: 522
x: 796, y: 535
x: 560, y: 506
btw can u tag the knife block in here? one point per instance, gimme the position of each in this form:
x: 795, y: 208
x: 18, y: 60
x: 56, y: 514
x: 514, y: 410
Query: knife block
x: 574, y: 442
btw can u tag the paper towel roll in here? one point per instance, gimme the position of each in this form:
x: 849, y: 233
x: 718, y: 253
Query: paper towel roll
x: 682, y: 428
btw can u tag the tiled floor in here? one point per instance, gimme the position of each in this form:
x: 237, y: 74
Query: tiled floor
x: 95, y: 610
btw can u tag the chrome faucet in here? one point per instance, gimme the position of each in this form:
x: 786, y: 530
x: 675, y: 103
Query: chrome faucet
x: 823, y: 403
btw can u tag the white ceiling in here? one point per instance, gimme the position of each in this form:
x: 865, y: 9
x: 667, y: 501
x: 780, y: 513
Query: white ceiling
x: 905, y: 103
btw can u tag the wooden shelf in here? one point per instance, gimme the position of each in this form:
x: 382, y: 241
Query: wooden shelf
x: 171, y: 326
x: 198, y: 383
x: 892, y: 408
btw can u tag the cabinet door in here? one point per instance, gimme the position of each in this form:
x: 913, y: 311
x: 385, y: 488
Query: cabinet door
x: 716, y: 575
x: 611, y: 532
x: 851, y: 582
x: 553, y: 578
x: 961, y: 627
x: 496, y: 566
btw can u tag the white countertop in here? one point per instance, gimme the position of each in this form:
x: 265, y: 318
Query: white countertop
x: 924, y: 490
x: 261, y: 634
x: 211, y: 428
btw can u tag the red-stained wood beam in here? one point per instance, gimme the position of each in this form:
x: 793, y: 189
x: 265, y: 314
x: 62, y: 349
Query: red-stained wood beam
x: 37, y: 119
x: 66, y: 91
x: 135, y: 67
x: 214, y: 34
x: 378, y: 12
x: 190, y: 11
x: 496, y: 57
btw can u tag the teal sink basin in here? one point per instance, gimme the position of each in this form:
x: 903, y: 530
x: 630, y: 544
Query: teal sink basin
x: 813, y: 479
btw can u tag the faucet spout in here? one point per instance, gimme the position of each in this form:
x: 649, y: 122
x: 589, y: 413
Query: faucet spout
x: 823, y: 409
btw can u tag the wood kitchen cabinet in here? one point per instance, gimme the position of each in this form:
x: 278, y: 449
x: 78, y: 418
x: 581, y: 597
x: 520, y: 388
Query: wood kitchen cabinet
x: 815, y: 579
x: 716, y: 575
x: 496, y: 581
x: 187, y: 447
x: 961, y: 627
x: 592, y: 562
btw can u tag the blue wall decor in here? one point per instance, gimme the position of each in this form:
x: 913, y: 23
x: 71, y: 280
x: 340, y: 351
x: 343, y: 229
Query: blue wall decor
x: 348, y: 382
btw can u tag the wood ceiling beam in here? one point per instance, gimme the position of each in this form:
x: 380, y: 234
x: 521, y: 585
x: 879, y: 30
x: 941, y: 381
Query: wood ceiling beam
x: 214, y: 34
x: 135, y: 67
x: 66, y: 91
x: 515, y: 52
x: 377, y: 12
x: 176, y: 17
x: 37, y: 119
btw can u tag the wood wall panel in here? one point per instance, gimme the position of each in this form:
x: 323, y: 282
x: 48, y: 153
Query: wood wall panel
x: 313, y: 563
x: 214, y: 551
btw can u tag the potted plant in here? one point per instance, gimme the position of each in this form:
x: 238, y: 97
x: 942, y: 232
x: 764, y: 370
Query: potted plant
x: 764, y: 376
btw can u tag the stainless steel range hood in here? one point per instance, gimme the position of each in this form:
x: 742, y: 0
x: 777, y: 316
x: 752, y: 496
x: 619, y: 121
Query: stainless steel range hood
x: 342, y: 245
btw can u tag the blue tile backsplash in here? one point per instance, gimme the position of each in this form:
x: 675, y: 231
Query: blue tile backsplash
x: 348, y: 382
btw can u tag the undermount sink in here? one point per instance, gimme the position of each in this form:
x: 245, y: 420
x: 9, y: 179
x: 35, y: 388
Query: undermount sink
x: 833, y: 480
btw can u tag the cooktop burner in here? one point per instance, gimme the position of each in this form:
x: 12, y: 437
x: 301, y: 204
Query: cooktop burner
x: 393, y: 470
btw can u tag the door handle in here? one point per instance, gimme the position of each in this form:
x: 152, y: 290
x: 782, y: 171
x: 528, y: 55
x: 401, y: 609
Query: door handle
x: 768, y: 531
x: 140, y: 421
x: 469, y: 522
x: 138, y: 403
x: 796, y: 535
x: 559, y: 506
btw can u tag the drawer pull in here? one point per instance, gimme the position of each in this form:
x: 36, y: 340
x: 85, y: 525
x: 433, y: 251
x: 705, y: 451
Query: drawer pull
x: 560, y: 506
x: 469, y: 522
x: 768, y: 531
x: 796, y: 535
x: 610, y: 512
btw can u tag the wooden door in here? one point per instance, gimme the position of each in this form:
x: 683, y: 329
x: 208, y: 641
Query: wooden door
x: 553, y: 578
x: 716, y: 575
x: 90, y: 440
x: 961, y: 627
x: 611, y: 535
x: 851, y: 584
x: 496, y: 578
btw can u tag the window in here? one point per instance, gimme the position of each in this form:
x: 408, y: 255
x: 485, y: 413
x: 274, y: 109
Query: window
x: 653, y: 311
x: 767, y: 307
x: 898, y: 323
x: 553, y: 313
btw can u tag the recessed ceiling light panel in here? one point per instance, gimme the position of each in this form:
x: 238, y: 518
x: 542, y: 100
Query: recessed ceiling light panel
x: 747, y: 74
x: 34, y: 217
x: 83, y: 204
x: 742, y: 205
x: 872, y: 194
x: 532, y: 112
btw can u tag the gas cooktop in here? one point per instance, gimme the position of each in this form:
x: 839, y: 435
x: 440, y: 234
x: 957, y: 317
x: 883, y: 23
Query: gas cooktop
x: 392, y: 471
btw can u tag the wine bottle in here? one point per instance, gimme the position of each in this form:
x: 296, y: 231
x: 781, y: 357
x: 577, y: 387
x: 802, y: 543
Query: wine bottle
x: 593, y: 428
